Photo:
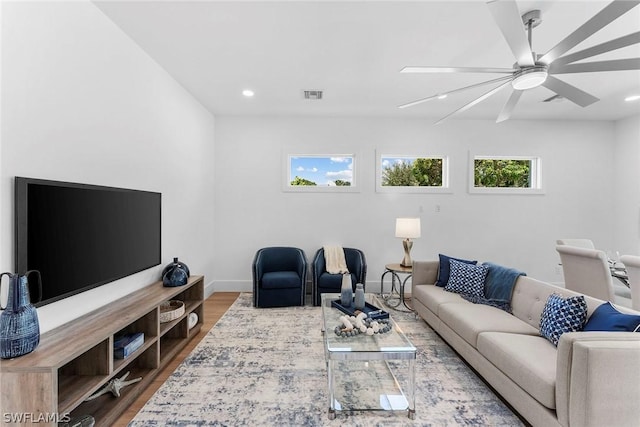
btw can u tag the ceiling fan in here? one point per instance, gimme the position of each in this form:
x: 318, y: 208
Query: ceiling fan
x: 532, y: 70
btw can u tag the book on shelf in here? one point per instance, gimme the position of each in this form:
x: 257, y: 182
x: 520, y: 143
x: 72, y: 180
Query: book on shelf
x: 124, y: 345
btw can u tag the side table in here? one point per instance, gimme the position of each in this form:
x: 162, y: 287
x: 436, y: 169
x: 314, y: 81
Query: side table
x: 397, y: 285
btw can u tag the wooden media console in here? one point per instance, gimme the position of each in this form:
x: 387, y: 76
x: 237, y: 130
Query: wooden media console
x: 77, y: 359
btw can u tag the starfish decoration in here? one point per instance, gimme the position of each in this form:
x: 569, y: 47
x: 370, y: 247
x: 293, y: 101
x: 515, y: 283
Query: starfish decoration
x: 114, y: 386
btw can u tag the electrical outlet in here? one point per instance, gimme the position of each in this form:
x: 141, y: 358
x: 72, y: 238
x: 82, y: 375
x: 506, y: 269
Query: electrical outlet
x: 558, y: 270
x: 437, y: 209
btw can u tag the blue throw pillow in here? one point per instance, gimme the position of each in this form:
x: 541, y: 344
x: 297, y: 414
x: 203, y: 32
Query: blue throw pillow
x: 607, y: 318
x: 467, y: 279
x: 444, y: 269
x: 562, y: 315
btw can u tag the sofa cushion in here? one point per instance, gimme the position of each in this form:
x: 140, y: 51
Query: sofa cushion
x: 433, y: 296
x: 528, y: 360
x: 280, y: 280
x: 562, y: 315
x: 607, y: 318
x: 469, y: 320
x: 444, y: 269
x: 466, y: 279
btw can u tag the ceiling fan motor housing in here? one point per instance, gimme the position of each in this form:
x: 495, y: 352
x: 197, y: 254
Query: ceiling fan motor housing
x: 529, y: 77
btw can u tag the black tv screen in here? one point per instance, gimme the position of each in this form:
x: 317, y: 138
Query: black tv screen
x: 81, y: 236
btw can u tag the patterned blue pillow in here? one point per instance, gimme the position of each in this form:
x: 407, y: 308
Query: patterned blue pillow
x: 562, y: 315
x: 444, y: 269
x: 467, y: 279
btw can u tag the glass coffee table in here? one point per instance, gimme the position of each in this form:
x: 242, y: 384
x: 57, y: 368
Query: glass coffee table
x: 368, y: 372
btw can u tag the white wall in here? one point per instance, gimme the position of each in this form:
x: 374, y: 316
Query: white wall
x: 82, y: 102
x: 520, y: 231
x: 627, y: 188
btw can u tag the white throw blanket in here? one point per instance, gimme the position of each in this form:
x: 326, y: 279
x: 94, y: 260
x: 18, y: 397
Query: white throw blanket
x: 334, y: 259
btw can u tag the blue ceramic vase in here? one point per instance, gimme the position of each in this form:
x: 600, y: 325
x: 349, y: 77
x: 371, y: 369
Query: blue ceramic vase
x: 175, y: 274
x: 19, y: 326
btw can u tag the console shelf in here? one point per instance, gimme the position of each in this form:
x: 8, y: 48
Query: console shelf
x: 76, y: 359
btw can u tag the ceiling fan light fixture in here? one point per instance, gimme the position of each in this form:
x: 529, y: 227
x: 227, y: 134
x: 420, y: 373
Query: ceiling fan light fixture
x: 528, y: 78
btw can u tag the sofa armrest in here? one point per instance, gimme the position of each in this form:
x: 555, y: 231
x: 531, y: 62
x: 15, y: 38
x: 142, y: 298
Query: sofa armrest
x: 424, y: 272
x: 597, y: 379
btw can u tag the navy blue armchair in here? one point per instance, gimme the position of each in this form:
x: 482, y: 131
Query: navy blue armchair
x: 279, y: 276
x: 324, y: 282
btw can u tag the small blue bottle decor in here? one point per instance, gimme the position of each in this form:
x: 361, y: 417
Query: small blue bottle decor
x: 346, y: 291
x: 175, y: 274
x: 19, y: 326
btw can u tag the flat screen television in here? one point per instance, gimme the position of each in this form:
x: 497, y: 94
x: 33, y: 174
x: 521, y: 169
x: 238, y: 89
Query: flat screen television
x: 81, y: 236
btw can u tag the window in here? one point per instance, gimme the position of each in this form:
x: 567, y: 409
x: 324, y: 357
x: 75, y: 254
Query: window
x: 505, y: 174
x: 320, y: 172
x: 412, y: 174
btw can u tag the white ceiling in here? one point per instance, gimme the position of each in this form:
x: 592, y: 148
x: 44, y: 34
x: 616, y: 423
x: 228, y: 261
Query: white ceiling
x: 353, y: 51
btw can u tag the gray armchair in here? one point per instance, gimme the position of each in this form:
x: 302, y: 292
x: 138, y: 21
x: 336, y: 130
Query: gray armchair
x: 324, y: 282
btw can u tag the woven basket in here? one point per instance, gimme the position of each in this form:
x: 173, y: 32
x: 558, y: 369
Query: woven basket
x: 171, y: 310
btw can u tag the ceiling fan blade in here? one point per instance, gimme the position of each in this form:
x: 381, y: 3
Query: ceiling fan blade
x: 474, y: 102
x: 610, y: 13
x: 628, y: 40
x: 592, y: 67
x: 445, y: 94
x: 456, y: 70
x: 570, y: 92
x: 508, y: 18
x: 509, y: 106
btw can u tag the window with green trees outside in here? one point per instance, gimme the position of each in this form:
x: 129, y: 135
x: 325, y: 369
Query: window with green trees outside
x: 412, y: 172
x: 495, y: 172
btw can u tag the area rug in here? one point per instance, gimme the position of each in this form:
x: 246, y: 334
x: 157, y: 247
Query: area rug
x: 266, y: 367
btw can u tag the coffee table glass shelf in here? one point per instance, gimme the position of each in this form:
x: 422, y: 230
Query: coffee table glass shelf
x: 368, y: 372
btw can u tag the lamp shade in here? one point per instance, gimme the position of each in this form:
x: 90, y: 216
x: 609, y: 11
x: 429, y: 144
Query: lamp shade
x: 408, y: 228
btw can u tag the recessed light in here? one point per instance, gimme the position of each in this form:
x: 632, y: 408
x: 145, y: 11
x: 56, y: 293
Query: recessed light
x: 632, y: 98
x: 248, y: 93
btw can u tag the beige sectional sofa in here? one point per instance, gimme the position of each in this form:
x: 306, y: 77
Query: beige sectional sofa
x: 590, y: 379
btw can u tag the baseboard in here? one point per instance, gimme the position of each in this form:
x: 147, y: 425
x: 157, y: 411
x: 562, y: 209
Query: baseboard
x: 247, y: 286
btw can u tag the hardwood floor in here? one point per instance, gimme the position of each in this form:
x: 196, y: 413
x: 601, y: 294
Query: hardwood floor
x: 214, y: 307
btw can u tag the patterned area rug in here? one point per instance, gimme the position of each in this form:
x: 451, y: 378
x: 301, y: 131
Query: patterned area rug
x: 265, y: 367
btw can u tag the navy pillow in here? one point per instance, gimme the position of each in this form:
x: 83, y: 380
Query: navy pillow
x: 607, y: 318
x: 444, y: 269
x: 562, y: 315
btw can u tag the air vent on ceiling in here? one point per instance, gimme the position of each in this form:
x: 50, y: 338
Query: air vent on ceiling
x: 313, y: 94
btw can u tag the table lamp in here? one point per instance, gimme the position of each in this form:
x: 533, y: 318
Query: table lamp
x: 407, y: 228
